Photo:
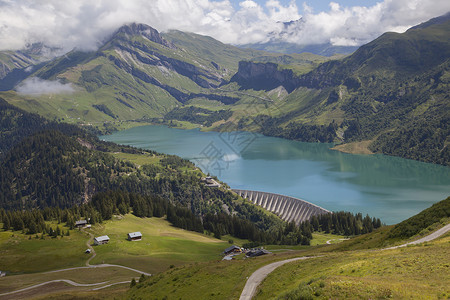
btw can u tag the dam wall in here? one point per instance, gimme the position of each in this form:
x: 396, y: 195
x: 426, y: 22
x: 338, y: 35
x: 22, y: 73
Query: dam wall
x: 287, y: 208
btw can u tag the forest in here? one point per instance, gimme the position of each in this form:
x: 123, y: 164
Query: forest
x: 53, y: 171
x: 106, y: 204
x: 197, y: 115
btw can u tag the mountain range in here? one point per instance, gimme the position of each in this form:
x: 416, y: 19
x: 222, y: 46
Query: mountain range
x: 284, y: 42
x: 390, y: 96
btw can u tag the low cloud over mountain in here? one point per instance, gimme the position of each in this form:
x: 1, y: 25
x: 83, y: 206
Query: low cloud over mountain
x: 36, y: 86
x: 85, y: 24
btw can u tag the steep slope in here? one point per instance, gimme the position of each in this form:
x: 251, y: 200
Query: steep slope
x: 17, y: 65
x: 17, y: 124
x: 136, y: 74
x: 10, y: 60
x: 355, y: 268
x: 140, y: 74
x: 392, y: 92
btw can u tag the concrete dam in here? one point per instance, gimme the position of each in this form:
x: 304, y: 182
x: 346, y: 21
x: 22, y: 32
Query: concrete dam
x: 287, y: 208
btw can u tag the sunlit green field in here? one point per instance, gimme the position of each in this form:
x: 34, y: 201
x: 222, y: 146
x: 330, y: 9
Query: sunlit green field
x: 161, y: 246
x: 416, y: 272
x: 21, y: 253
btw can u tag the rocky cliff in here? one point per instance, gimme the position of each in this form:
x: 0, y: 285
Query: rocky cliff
x: 264, y: 76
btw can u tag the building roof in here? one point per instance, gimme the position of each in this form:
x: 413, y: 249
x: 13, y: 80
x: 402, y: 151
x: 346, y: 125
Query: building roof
x: 102, y: 238
x: 135, y: 234
x: 81, y: 222
x: 231, y: 248
x: 258, y: 252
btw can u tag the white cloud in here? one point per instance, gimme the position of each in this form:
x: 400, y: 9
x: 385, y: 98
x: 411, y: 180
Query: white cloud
x: 36, y: 86
x: 85, y: 23
x: 357, y: 25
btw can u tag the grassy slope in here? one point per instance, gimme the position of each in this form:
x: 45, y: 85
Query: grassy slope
x: 83, y: 276
x: 400, y: 273
x: 19, y: 254
x: 218, y: 280
x: 100, y: 82
x: 162, y: 245
x: 356, y: 268
x: 413, y: 272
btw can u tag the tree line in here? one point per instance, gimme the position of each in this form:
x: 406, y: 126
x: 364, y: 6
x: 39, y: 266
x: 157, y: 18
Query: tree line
x: 106, y: 204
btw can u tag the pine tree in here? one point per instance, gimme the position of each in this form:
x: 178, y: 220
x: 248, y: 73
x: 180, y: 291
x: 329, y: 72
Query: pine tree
x: 133, y: 283
x: 6, y: 223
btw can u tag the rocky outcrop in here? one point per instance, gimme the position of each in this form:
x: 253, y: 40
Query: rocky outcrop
x: 148, y: 56
x: 264, y: 76
x: 143, y: 30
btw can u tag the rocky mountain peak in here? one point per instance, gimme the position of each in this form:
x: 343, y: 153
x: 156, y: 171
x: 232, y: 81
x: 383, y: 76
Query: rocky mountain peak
x: 146, y: 31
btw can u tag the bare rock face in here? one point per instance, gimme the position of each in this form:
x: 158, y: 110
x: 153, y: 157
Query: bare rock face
x: 146, y: 31
x: 264, y: 76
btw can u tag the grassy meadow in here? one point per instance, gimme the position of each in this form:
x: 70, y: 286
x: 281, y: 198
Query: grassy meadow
x: 161, y: 246
x: 189, y: 265
x: 22, y: 253
x: 415, y: 272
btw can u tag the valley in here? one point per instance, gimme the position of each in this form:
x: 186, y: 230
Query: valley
x: 197, y: 146
x: 375, y: 185
x: 140, y: 76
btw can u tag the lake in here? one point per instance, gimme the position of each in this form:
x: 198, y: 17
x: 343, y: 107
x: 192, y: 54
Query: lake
x: 385, y: 187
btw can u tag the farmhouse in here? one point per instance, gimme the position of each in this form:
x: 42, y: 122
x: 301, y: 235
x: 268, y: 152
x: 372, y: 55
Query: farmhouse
x: 104, y: 239
x: 257, y: 252
x: 135, y: 236
x: 80, y: 223
x: 232, y: 249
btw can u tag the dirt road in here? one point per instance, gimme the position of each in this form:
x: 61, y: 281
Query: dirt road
x: 258, y: 276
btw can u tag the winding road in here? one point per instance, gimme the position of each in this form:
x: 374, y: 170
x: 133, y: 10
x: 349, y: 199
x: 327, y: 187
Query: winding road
x: 247, y: 293
x: 259, y: 275
x: 52, y: 281
x: 427, y: 238
x: 88, y: 266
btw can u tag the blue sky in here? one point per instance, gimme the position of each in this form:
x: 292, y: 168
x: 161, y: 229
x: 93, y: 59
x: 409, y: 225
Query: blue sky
x: 85, y: 24
x: 317, y: 5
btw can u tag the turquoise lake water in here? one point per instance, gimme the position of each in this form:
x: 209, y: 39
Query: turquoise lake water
x: 389, y: 188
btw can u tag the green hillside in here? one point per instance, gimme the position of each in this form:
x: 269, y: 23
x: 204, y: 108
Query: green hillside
x: 141, y: 75
x: 391, y: 94
x: 339, y: 271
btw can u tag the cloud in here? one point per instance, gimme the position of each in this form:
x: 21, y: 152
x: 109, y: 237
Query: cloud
x: 358, y: 25
x: 36, y: 86
x: 85, y: 24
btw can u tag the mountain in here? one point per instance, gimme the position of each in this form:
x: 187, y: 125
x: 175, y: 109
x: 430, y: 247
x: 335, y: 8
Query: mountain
x: 392, y: 93
x: 389, y: 96
x: 17, y: 124
x: 62, y: 166
x: 279, y: 46
x: 18, y: 65
x: 140, y: 74
x: 283, y: 41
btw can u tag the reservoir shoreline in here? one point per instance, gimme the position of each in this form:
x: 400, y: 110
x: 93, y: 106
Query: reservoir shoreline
x: 387, y: 187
